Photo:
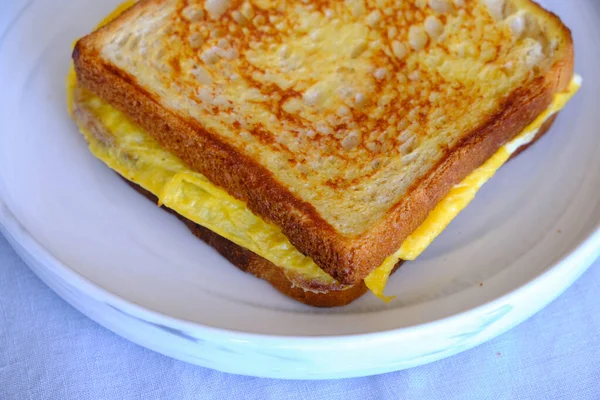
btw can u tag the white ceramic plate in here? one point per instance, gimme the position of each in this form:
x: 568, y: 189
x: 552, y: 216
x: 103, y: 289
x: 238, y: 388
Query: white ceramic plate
x: 136, y: 270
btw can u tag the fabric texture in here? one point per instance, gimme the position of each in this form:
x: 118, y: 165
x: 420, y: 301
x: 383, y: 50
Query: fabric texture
x: 48, y: 350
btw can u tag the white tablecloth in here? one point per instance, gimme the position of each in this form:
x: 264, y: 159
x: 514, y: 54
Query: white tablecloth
x: 48, y: 350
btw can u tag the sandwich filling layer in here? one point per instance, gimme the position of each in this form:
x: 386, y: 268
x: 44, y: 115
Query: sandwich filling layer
x: 138, y: 157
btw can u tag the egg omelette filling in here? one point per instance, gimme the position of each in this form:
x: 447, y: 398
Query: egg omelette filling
x: 139, y: 158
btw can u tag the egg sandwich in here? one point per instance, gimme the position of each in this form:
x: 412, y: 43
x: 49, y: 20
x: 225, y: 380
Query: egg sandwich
x: 318, y: 145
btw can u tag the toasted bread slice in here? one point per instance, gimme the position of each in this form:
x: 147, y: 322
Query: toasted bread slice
x: 342, y: 123
x: 313, y: 293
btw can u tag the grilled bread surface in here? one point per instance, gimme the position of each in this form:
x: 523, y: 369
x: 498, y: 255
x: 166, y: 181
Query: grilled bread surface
x: 342, y: 122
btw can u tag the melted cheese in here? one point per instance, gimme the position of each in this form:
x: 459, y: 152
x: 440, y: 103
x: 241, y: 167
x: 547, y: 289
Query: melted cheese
x: 136, y: 156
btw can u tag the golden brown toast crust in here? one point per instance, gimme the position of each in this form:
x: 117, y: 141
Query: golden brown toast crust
x: 347, y: 259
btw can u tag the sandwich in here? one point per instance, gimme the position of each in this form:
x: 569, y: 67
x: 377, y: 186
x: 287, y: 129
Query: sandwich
x: 318, y: 145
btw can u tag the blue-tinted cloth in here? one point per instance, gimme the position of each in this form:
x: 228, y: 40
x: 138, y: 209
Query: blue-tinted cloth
x: 48, y: 350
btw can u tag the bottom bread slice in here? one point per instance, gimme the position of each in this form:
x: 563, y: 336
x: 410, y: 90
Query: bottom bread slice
x: 262, y: 268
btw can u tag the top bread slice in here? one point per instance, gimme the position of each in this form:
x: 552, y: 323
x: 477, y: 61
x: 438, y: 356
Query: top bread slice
x: 342, y: 122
